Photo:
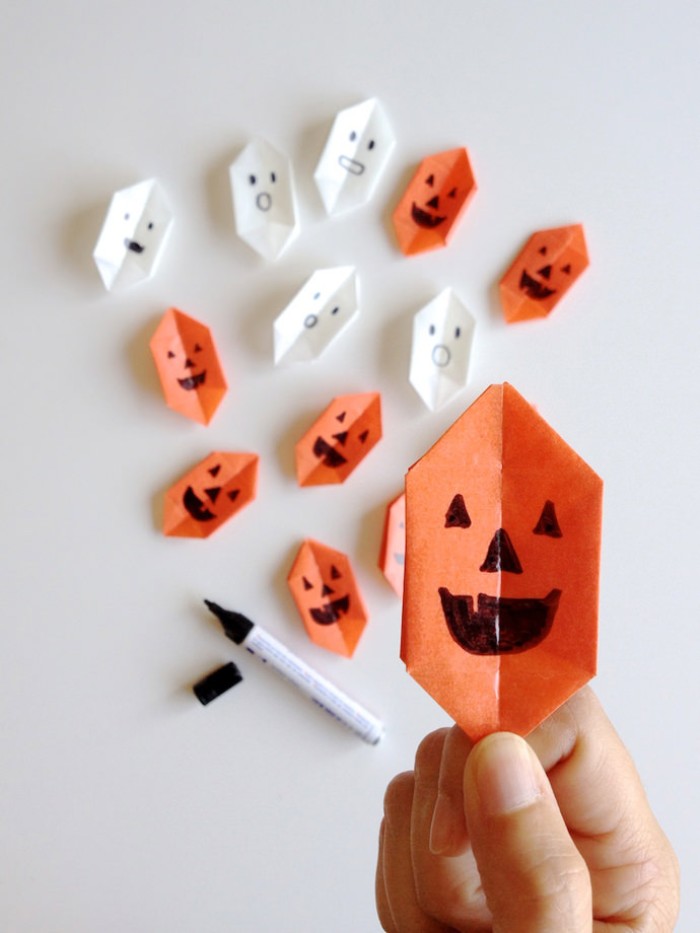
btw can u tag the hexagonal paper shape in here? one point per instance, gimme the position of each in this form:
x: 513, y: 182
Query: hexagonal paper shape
x: 264, y: 201
x: 443, y: 332
x: 210, y: 494
x: 188, y: 366
x: 502, y: 562
x: 339, y: 439
x: 392, y: 555
x: 355, y: 155
x: 434, y: 201
x: 545, y: 269
x: 328, y: 598
x: 133, y: 235
x: 319, y: 312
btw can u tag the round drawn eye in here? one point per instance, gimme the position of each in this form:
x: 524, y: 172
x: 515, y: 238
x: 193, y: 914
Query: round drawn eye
x: 370, y: 144
x: 273, y: 177
x: 458, y: 331
x: 353, y: 136
x: 150, y: 225
x: 126, y: 216
x: 252, y: 179
x: 335, y: 310
x: 431, y: 330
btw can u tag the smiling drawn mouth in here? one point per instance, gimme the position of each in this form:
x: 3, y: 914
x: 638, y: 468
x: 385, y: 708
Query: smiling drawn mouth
x: 351, y: 165
x: 330, y: 612
x: 196, y: 507
x: 134, y: 246
x: 500, y: 625
x: 424, y: 219
x: 193, y: 382
x: 533, y: 288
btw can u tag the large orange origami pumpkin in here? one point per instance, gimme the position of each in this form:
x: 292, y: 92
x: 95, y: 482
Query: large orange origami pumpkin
x: 329, y: 601
x: 502, y: 557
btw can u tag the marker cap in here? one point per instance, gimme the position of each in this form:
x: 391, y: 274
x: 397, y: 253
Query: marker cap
x: 216, y: 683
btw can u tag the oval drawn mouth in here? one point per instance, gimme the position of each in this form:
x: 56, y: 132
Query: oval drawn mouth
x: 264, y: 201
x: 424, y: 219
x: 134, y: 246
x: 499, y: 625
x: 351, y: 165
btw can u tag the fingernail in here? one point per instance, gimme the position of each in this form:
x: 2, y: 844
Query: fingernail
x: 442, y: 834
x: 507, y: 777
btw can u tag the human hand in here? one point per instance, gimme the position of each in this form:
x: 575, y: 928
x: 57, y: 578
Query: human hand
x: 549, y: 835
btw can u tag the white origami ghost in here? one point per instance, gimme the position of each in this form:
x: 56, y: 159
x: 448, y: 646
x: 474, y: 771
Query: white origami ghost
x: 443, y: 332
x: 133, y: 235
x: 356, y: 152
x: 323, y: 307
x: 264, y: 202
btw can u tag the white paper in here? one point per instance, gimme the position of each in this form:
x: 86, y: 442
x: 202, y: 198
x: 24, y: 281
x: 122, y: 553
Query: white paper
x: 264, y: 200
x: 356, y: 152
x: 323, y: 307
x: 443, y: 333
x: 133, y: 235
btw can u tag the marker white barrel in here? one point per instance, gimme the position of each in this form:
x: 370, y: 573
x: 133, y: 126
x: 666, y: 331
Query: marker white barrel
x: 319, y: 690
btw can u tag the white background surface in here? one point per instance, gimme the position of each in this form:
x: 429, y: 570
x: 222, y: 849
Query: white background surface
x: 125, y: 805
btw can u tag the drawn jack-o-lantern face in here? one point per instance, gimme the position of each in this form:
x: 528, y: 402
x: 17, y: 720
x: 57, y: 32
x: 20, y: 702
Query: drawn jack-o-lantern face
x: 328, y: 598
x: 339, y: 439
x: 211, y: 493
x: 434, y: 201
x: 502, y: 554
x: 188, y: 366
x: 544, y: 270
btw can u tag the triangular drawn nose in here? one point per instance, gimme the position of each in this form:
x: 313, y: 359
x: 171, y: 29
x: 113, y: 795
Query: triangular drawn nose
x: 501, y: 555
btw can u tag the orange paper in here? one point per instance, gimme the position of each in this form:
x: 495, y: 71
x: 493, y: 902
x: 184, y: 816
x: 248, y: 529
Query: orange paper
x: 545, y: 269
x: 339, y: 439
x: 328, y: 598
x: 503, y: 524
x: 188, y: 366
x: 393, y: 550
x: 435, y: 199
x: 211, y: 493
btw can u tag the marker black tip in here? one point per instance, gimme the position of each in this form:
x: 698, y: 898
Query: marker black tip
x: 236, y: 626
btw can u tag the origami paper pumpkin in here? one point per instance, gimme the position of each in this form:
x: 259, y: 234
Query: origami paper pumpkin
x: 443, y: 332
x: 502, y: 562
x: 320, y: 311
x: 392, y: 555
x: 210, y: 494
x: 263, y: 199
x: 435, y: 199
x: 544, y: 270
x: 133, y: 235
x: 323, y: 585
x: 339, y: 439
x: 354, y: 157
x: 188, y: 366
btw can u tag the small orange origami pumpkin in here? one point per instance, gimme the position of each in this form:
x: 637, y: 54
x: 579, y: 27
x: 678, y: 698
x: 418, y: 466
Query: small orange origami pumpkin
x: 393, y: 550
x: 544, y: 270
x: 502, y: 559
x: 188, y: 366
x: 209, y: 494
x: 433, y: 202
x: 339, y: 439
x: 323, y: 585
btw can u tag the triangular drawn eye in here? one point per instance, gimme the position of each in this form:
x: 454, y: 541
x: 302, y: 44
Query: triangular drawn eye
x: 543, y: 250
x: 335, y: 573
x: 171, y: 355
x: 430, y: 180
x: 457, y: 515
x: 567, y: 268
x: 197, y: 348
x: 453, y: 193
x: 307, y: 584
x: 548, y: 523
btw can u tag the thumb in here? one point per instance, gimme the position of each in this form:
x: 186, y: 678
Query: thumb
x: 534, y: 878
